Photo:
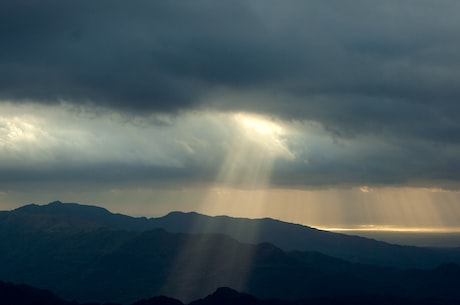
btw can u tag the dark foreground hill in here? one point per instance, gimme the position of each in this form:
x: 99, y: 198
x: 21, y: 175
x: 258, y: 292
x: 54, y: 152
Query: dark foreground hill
x: 83, y: 259
x: 26, y: 295
x: 287, y: 236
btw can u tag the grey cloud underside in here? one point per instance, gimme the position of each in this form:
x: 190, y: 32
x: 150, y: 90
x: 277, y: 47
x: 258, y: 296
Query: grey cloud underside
x: 100, y: 176
x: 327, y: 166
x: 414, y: 167
x: 388, y: 70
x: 352, y: 66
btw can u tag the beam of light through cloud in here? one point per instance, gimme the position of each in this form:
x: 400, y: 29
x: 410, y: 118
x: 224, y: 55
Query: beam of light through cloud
x: 248, y: 164
x: 249, y: 161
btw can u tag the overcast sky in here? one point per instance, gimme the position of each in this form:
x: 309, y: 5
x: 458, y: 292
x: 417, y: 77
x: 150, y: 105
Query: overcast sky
x: 149, y: 106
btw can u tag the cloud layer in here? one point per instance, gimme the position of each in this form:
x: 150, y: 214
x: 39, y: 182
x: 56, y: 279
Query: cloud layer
x: 377, y: 81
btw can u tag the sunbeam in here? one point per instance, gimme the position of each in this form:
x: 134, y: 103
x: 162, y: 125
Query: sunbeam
x: 257, y: 142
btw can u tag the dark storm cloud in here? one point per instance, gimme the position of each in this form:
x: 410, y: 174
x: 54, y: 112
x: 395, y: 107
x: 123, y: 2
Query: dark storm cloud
x: 352, y: 66
x: 143, y: 55
x: 384, y: 69
x: 97, y: 176
x: 366, y: 162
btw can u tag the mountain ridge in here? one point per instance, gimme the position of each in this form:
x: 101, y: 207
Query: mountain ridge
x: 81, y: 260
x: 20, y: 294
x: 288, y: 236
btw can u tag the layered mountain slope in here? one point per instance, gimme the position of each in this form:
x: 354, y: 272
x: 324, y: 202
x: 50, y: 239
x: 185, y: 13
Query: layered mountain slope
x: 27, y: 295
x: 287, y: 236
x: 71, y: 251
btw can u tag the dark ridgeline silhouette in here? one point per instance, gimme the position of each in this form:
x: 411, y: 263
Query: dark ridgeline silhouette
x: 227, y: 296
x: 11, y: 294
x: 57, y: 216
x: 69, y: 250
x: 160, y: 300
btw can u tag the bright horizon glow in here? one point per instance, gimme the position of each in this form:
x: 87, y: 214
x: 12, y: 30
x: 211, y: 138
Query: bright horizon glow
x: 390, y: 228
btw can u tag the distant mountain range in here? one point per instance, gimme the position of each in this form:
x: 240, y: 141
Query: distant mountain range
x: 287, y: 236
x: 86, y: 253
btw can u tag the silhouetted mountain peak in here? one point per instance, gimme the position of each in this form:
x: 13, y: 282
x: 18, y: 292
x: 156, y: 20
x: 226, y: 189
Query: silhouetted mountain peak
x: 180, y: 213
x: 227, y: 296
x: 27, y: 208
x: 160, y: 300
x: 82, y: 217
x: 57, y: 216
x: 226, y: 293
x: 59, y: 207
